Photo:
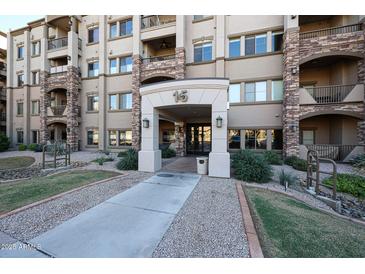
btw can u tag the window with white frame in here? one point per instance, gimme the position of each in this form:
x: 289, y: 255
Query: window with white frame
x: 125, y: 64
x: 92, y: 103
x: 255, y: 91
x: 277, y: 89
x: 92, y: 137
x: 113, y: 66
x: 277, y: 41
x: 93, y: 35
x: 20, y: 79
x: 19, y: 108
x: 255, y: 44
x: 93, y: 69
x: 125, y: 101
x: 307, y: 137
x: 36, y: 48
x: 113, y: 104
x: 126, y: 27
x: 255, y: 139
x: 20, y: 52
x: 125, y: 138
x: 19, y: 136
x: 235, y: 47
x: 234, y: 93
x: 203, y: 52
x: 113, y: 138
x: 35, y: 107
x: 113, y: 30
x: 234, y: 139
x: 35, y: 136
x: 35, y: 77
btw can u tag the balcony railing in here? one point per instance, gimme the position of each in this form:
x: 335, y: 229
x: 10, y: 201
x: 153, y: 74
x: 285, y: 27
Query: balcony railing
x: 3, y: 116
x: 334, y: 152
x: 158, y: 58
x: 330, y: 94
x: 330, y: 31
x: 2, y: 93
x: 58, y: 69
x: 57, y: 43
x: 154, y: 21
x: 58, y: 110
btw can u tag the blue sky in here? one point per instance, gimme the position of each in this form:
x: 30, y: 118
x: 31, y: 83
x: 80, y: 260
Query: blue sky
x: 16, y: 21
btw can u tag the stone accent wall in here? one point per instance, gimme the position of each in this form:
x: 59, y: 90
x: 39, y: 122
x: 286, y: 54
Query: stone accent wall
x: 291, y: 93
x: 180, y: 63
x: 136, y: 102
x: 180, y: 140
x: 73, y: 107
x: 332, y: 108
x: 44, y: 102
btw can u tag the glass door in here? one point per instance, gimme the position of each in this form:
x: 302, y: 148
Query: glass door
x: 198, y: 139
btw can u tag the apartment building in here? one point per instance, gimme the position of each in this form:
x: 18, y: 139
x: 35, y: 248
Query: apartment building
x: 200, y: 84
x: 2, y: 82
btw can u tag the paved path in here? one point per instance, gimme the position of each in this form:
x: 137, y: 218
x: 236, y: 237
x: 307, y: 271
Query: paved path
x: 130, y: 224
x: 181, y: 164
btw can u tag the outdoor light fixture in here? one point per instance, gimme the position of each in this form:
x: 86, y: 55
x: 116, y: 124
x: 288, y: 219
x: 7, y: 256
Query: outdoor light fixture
x: 146, y: 123
x: 219, y: 122
x: 293, y: 70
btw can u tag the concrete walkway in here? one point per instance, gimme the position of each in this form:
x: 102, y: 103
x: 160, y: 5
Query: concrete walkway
x: 181, y: 164
x: 130, y: 224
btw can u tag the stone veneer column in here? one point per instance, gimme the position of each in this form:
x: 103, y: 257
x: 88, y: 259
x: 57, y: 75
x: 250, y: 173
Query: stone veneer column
x: 73, y: 107
x: 43, y: 104
x: 136, y: 102
x: 291, y: 92
x: 180, y: 63
x: 361, y: 79
x: 180, y: 139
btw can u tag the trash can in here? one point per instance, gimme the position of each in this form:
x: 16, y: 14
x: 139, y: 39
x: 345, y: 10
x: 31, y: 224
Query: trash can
x: 202, y: 165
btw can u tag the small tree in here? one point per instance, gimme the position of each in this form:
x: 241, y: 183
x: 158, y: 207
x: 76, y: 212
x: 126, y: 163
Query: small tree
x: 4, y: 142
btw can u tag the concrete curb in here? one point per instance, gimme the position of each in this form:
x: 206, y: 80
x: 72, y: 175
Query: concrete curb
x: 252, y: 238
x: 320, y: 209
x: 58, y: 196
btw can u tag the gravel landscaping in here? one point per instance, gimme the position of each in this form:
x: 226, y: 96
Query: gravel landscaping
x: 208, y: 225
x: 32, y: 222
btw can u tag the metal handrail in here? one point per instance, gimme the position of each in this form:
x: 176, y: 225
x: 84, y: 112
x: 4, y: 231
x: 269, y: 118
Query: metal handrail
x: 58, y: 69
x: 58, y: 110
x: 57, y: 43
x: 150, y: 21
x: 330, y: 94
x: 330, y: 31
x: 158, y: 58
x: 59, y: 151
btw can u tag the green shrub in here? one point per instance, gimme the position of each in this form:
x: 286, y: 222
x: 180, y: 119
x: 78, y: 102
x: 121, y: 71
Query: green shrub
x: 122, y: 154
x: 168, y: 153
x: 4, y: 142
x: 297, y: 163
x: 130, y: 160
x: 348, y: 183
x: 251, y: 167
x: 32, y: 147
x: 39, y: 148
x: 358, y: 161
x: 102, y: 160
x: 22, y: 147
x: 290, y: 160
x: 272, y: 158
x: 286, y: 178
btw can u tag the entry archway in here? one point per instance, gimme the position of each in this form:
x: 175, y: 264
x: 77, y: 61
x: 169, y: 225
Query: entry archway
x: 184, y: 93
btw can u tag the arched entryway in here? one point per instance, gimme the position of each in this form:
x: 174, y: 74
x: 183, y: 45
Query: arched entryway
x: 180, y: 101
x: 57, y: 132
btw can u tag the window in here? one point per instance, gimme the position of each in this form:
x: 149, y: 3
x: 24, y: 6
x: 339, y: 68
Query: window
x: 203, y: 52
x: 308, y: 137
x: 20, y: 52
x: 93, y: 69
x: 113, y: 30
x: 126, y: 27
x: 255, y: 44
x: 125, y: 101
x: 113, y: 66
x: 19, y: 137
x: 277, y: 139
x: 234, y: 139
x: 35, y: 107
x: 125, y: 64
x: 35, y: 77
x: 125, y: 138
x: 277, y: 89
x: 235, y: 47
x: 20, y: 80
x: 93, y: 137
x: 19, y: 109
x: 255, y: 92
x: 113, y: 102
x: 112, y: 138
x: 255, y: 139
x: 277, y: 41
x: 168, y: 136
x: 198, y: 17
x: 93, y: 35
x: 35, y: 137
x: 93, y: 103
x: 234, y: 93
x: 36, y: 48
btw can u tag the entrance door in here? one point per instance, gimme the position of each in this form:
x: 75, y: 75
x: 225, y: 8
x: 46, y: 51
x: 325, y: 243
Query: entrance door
x: 198, y: 138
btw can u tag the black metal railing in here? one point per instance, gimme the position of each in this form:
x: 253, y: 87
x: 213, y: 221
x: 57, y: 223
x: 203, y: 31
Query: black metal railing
x: 149, y: 21
x: 3, y: 116
x: 333, y: 152
x: 330, y: 94
x: 330, y: 31
x: 58, y: 110
x: 57, y: 43
x: 158, y: 58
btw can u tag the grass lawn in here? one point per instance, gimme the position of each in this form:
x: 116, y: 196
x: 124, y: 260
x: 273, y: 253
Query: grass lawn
x: 16, y: 162
x: 18, y: 194
x: 290, y: 229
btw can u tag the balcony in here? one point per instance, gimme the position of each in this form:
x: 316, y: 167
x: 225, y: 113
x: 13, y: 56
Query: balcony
x: 2, y: 94
x: 3, y: 117
x: 150, y: 21
x: 157, y: 26
x: 58, y: 110
x: 58, y: 69
x: 158, y: 59
x: 58, y: 43
x: 2, y: 70
x: 159, y: 66
x: 344, y: 40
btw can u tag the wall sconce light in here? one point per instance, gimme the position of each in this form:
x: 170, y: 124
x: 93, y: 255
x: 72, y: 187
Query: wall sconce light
x: 294, y: 70
x: 219, y: 121
x: 68, y: 57
x: 146, y: 123
x: 292, y: 127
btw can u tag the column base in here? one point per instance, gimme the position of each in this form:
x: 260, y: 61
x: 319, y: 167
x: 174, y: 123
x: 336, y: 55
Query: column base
x: 149, y: 161
x: 219, y: 165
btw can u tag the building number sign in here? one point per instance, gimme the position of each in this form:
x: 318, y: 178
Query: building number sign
x: 181, y: 96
